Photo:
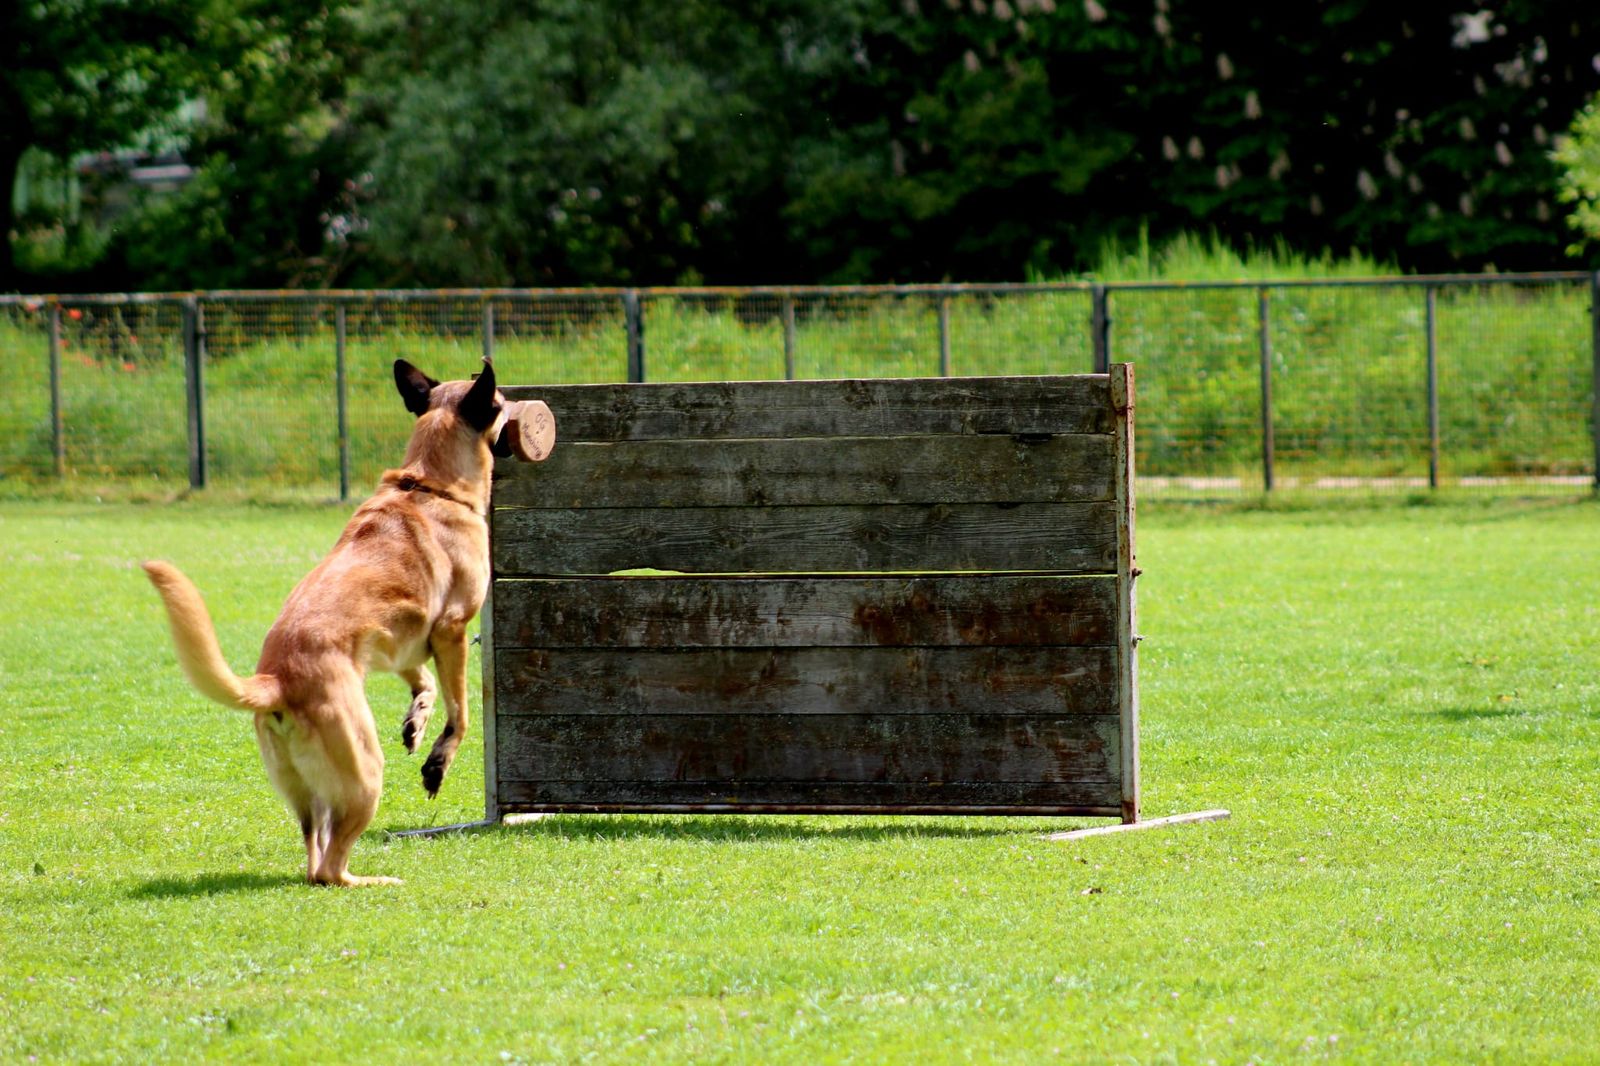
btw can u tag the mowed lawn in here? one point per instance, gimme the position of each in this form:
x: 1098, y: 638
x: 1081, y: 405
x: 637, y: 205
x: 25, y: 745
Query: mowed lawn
x: 1401, y: 705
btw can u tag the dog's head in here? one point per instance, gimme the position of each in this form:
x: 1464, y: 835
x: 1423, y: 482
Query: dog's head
x: 475, y: 407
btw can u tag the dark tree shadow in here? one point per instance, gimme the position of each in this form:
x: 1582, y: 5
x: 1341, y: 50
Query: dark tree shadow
x: 212, y: 885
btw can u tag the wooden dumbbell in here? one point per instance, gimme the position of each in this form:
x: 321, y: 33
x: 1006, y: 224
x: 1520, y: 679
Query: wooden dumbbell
x: 531, y: 427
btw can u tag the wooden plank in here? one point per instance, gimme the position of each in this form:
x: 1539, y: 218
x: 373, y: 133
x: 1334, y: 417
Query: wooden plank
x: 1073, y: 537
x: 812, y: 471
x: 1043, y: 682
x: 1152, y: 823
x: 491, y: 651
x: 802, y: 797
x: 865, y: 408
x: 768, y: 748
x: 943, y: 610
x: 1122, y: 398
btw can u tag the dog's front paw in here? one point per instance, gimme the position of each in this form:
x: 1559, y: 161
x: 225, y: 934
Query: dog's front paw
x: 433, y: 773
x: 416, y: 722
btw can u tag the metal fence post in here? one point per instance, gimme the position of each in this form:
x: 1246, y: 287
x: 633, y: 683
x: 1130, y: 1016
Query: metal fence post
x: 488, y: 331
x: 342, y: 394
x: 1268, y: 445
x: 195, y: 389
x: 1100, y: 329
x: 944, y: 335
x: 633, y: 314
x: 788, y: 337
x: 1594, y: 328
x: 58, y: 437
x: 1433, y: 386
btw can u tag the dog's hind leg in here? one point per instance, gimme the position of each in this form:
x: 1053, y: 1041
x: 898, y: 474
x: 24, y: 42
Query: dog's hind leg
x: 316, y: 825
x: 423, y: 694
x: 347, y: 826
x: 450, y: 655
x: 273, y: 737
x: 343, y: 765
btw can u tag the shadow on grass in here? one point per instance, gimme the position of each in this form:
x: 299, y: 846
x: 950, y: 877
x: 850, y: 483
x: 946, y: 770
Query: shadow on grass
x: 733, y: 828
x: 1478, y: 714
x: 212, y: 885
x: 1509, y: 508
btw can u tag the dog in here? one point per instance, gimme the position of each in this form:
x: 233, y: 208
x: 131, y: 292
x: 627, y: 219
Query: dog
x: 409, y: 572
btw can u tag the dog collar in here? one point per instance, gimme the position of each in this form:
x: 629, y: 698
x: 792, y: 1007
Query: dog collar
x: 408, y: 483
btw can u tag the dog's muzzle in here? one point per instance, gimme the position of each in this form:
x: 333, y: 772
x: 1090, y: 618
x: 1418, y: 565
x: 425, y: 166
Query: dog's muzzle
x: 502, y: 443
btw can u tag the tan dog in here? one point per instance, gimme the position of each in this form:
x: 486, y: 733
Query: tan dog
x: 407, y: 575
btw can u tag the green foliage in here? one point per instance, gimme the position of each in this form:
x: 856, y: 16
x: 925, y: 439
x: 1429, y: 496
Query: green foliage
x: 1418, y: 133
x: 87, y: 75
x: 273, y: 183
x: 1579, y: 157
x: 397, y: 142
x: 1193, y: 257
x: 249, y: 91
x: 575, y: 142
x: 963, y: 144
x: 585, y: 143
x: 1381, y: 697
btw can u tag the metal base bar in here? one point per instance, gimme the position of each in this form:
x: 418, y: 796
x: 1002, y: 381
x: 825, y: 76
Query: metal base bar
x: 1071, y: 834
x: 1153, y: 823
x: 459, y: 827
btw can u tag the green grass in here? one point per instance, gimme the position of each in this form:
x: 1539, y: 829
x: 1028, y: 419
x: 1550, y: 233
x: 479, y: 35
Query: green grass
x: 1399, y: 704
x: 1193, y: 257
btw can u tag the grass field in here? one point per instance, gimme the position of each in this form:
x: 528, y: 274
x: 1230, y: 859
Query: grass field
x: 1400, y: 705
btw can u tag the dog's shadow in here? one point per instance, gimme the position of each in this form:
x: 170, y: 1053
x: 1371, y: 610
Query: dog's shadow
x: 212, y: 885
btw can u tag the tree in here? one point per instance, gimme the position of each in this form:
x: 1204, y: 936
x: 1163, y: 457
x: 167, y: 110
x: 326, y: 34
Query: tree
x: 1418, y: 132
x: 86, y: 75
x: 274, y: 172
x: 609, y: 142
x: 965, y: 140
x: 578, y: 141
x: 1578, y: 154
x: 248, y: 89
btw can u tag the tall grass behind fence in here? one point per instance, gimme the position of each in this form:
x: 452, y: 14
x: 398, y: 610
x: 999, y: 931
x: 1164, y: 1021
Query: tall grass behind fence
x: 1515, y: 390
x: 1344, y: 371
x: 1317, y: 385
x: 26, y: 438
x: 1196, y: 368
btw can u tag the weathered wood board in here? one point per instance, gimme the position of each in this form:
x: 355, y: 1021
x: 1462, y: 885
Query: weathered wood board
x: 871, y: 407
x: 803, y: 471
x: 785, y: 611
x: 736, y: 682
x: 750, y: 751
x: 893, y: 596
x: 1057, y: 537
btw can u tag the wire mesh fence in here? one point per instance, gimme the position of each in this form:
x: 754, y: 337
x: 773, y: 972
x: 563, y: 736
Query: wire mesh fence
x: 1396, y: 384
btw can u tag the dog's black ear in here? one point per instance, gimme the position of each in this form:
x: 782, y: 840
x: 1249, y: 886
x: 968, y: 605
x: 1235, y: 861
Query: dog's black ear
x: 414, y: 386
x: 478, y: 407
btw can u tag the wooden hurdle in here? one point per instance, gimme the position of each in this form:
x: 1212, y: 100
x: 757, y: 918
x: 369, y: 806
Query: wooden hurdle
x: 862, y: 596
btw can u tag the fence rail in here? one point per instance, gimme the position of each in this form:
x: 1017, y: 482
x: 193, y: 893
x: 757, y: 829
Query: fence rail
x: 1399, y: 383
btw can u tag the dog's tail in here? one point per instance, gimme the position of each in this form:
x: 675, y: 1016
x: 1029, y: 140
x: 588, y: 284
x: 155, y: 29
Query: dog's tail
x: 198, y: 651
